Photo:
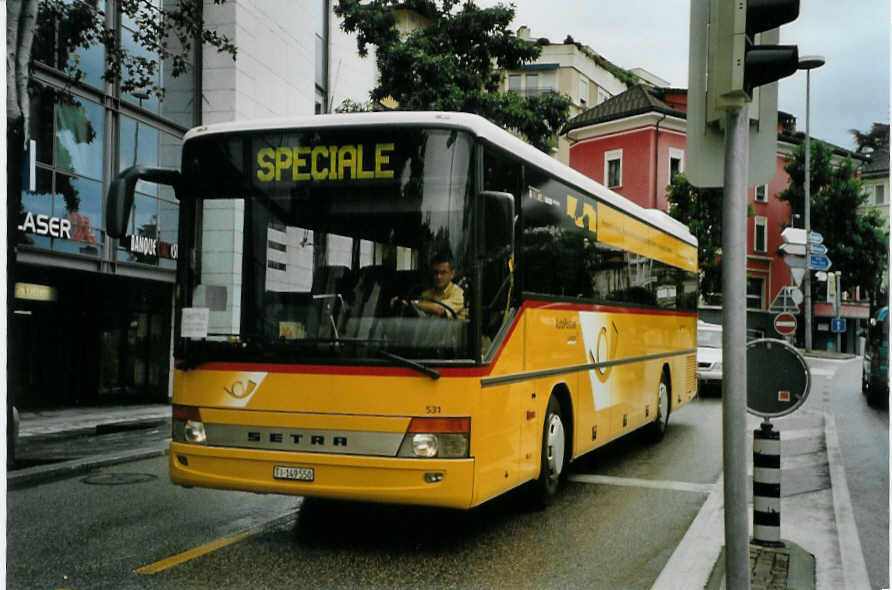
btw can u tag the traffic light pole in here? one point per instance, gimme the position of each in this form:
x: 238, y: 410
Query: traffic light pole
x: 734, y: 205
x: 806, y: 281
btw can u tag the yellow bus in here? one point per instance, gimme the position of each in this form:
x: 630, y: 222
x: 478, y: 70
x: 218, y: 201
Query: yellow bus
x: 315, y: 354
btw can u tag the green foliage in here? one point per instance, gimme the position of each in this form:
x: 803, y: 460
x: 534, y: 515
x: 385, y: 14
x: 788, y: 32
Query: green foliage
x: 857, y: 243
x: 701, y: 211
x: 454, y: 63
x: 875, y: 140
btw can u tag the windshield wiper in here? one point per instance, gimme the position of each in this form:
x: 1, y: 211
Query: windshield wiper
x: 432, y: 373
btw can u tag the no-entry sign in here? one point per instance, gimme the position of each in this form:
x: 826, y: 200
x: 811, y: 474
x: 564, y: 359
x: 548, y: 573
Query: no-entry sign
x: 785, y: 323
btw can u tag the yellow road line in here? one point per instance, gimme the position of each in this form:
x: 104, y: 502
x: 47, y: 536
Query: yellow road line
x: 169, y: 562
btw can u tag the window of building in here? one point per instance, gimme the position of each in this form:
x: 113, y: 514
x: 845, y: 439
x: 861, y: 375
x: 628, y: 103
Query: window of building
x: 755, y: 293
x: 583, y: 91
x: 760, y: 236
x: 880, y: 194
x: 761, y: 193
x: 514, y: 83
x: 676, y: 162
x: 532, y: 81
x: 613, y: 168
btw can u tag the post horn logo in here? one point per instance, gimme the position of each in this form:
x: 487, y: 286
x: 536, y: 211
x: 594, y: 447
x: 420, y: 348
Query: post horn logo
x: 240, y: 390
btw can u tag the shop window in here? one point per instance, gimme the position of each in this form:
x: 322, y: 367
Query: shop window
x: 79, y: 200
x: 39, y: 202
x: 80, y: 127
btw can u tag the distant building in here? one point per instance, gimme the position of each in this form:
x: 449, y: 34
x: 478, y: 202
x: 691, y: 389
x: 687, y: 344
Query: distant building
x: 875, y: 176
x: 635, y: 142
x: 571, y: 69
x: 92, y: 314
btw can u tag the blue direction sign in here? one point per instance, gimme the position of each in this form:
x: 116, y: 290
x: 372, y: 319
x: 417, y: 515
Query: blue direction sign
x: 815, y: 238
x: 838, y: 325
x: 817, y: 249
x: 818, y: 262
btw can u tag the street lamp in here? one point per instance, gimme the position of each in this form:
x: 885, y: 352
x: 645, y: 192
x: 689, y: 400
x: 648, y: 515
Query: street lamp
x: 808, y: 63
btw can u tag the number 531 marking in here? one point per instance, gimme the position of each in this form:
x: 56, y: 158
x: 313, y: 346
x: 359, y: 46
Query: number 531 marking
x: 433, y: 409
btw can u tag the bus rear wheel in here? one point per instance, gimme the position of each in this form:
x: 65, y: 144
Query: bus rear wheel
x: 554, y: 454
x: 658, y: 427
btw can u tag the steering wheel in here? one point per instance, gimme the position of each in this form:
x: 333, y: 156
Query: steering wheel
x: 449, y: 309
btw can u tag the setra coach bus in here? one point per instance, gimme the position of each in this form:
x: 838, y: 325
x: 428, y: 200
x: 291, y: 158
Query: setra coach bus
x: 316, y: 355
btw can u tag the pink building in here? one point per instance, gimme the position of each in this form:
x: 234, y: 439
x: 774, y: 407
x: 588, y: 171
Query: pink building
x: 634, y: 142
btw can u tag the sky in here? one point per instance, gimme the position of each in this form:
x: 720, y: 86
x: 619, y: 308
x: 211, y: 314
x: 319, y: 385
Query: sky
x: 851, y: 90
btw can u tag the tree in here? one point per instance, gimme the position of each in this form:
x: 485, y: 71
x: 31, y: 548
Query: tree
x: 875, y: 140
x: 454, y: 63
x: 857, y: 243
x: 701, y: 210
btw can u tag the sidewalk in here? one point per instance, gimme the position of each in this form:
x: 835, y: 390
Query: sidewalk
x: 822, y: 550
x: 63, y: 442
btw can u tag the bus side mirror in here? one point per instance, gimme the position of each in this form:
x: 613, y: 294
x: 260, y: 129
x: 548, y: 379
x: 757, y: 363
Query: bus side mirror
x: 498, y: 221
x: 119, y: 203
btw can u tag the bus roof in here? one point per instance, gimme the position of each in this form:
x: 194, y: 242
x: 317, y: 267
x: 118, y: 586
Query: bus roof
x: 478, y: 126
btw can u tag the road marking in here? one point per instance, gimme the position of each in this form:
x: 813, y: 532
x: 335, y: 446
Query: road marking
x: 169, y: 562
x: 681, y: 486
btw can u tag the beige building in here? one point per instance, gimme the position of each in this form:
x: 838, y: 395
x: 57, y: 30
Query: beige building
x: 574, y: 70
x: 875, y: 176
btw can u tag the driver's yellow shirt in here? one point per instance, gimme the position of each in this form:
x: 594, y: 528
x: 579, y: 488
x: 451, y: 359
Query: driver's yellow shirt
x: 452, y: 295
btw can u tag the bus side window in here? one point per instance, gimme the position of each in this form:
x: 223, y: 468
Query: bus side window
x: 501, y: 173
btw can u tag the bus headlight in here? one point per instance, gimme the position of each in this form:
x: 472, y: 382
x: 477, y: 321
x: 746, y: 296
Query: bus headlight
x: 194, y: 432
x: 437, y: 437
x: 187, y: 425
x: 424, y: 445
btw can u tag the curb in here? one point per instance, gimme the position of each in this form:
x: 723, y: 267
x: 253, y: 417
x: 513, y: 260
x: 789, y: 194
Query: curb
x: 43, y: 473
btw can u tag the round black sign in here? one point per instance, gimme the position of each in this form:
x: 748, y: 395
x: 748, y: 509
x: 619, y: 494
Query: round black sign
x: 777, y: 378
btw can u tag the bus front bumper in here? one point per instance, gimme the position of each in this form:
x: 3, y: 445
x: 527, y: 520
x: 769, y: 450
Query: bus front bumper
x: 429, y: 482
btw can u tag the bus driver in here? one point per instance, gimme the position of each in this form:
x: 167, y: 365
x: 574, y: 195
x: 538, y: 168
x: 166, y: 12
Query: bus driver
x: 445, y: 299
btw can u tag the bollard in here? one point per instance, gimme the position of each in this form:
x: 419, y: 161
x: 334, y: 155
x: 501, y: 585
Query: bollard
x: 766, y: 486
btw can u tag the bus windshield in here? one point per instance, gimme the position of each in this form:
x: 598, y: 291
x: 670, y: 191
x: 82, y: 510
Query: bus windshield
x: 309, y: 245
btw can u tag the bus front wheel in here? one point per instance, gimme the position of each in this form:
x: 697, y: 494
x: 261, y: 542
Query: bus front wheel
x: 554, y: 454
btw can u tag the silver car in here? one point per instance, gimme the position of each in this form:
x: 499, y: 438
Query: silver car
x: 709, y: 355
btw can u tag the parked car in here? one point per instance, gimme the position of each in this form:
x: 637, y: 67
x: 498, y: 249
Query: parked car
x: 709, y: 355
x: 876, y: 370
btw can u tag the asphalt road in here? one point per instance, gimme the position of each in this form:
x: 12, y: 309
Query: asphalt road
x: 95, y: 531
x: 864, y: 440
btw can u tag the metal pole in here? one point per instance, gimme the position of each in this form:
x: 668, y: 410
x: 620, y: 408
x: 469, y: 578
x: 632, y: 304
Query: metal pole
x: 838, y: 278
x: 806, y: 281
x: 734, y: 205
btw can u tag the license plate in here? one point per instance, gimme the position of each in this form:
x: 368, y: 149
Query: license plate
x: 294, y: 473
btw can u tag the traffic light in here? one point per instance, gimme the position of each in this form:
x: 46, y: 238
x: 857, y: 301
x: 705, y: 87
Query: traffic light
x: 735, y: 59
x: 742, y: 53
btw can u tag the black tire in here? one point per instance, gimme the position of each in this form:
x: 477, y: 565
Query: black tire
x: 553, y: 461
x: 657, y: 428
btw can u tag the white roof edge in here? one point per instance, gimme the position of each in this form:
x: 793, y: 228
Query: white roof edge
x: 473, y: 123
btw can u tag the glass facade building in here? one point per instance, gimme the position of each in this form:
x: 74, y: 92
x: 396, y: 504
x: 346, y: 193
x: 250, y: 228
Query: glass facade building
x: 93, y: 315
